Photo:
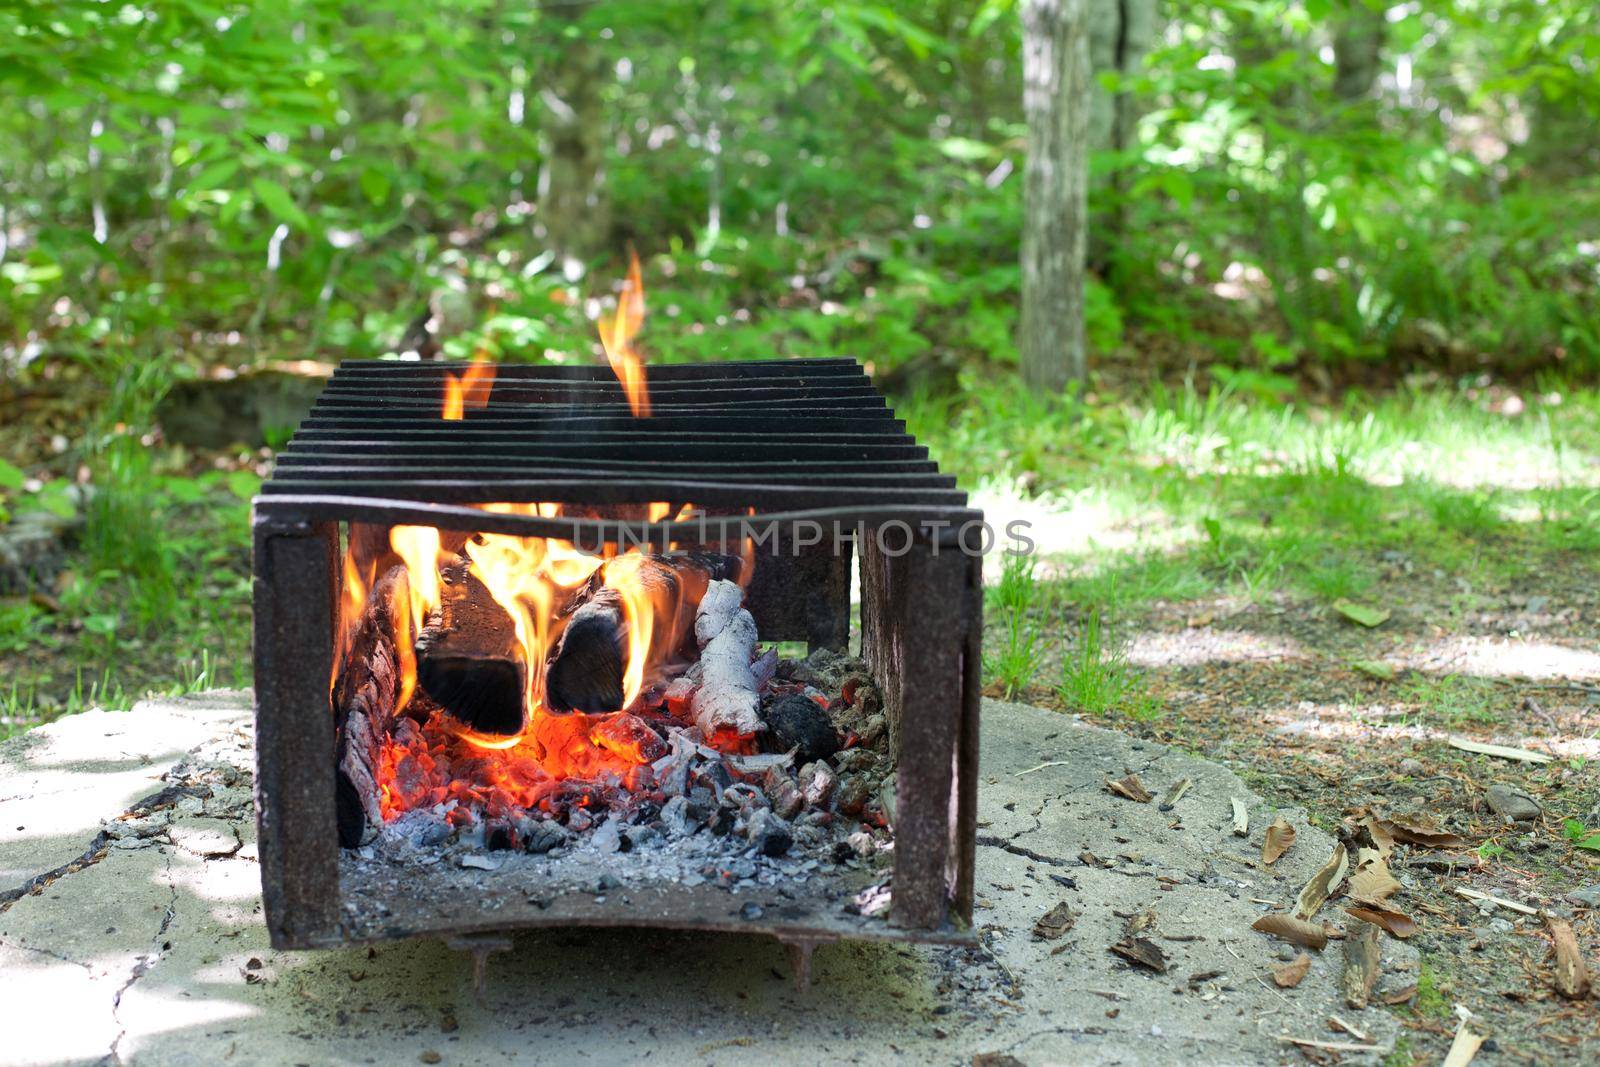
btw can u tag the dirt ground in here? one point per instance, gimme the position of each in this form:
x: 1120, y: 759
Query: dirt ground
x: 1273, y: 690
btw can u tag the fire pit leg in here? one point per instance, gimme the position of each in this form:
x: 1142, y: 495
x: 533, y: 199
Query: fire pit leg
x: 482, y: 946
x: 799, y: 950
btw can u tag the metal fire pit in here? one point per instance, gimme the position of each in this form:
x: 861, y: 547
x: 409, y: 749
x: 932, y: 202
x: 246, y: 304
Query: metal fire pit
x: 807, y: 450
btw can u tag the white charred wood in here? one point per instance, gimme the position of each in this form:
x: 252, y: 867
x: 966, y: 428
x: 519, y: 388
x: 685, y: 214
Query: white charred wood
x: 727, y: 700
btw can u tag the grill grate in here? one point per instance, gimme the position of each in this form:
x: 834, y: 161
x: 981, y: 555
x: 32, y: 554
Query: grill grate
x: 776, y: 435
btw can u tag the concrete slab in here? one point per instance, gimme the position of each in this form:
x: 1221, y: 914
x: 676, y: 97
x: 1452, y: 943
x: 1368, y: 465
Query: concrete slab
x: 156, y: 952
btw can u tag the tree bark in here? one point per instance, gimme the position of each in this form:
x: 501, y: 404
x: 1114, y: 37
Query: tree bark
x: 1055, y: 102
x: 1358, y: 39
x: 573, y: 210
x: 1120, y: 35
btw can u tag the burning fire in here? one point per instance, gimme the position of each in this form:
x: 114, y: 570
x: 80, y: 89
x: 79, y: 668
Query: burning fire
x: 616, y: 337
x: 469, y: 389
x: 537, y: 582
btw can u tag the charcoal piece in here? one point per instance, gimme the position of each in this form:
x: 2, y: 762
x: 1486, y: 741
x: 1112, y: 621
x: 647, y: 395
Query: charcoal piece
x: 585, y: 674
x: 783, y: 793
x: 796, y: 722
x: 851, y: 796
x: 469, y: 659
x: 768, y: 834
x: 680, y: 817
x: 817, y: 782
x: 497, y: 836
x: 628, y: 737
x: 541, y: 835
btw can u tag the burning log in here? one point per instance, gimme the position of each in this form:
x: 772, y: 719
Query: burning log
x: 586, y: 673
x: 366, y: 698
x: 727, y: 701
x: 468, y: 656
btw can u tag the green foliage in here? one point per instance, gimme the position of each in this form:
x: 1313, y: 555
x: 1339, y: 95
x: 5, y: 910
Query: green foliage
x: 1021, y: 653
x: 1578, y: 836
x: 1096, y: 677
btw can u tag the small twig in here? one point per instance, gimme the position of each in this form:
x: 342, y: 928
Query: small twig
x: 1042, y: 766
x: 1473, y: 894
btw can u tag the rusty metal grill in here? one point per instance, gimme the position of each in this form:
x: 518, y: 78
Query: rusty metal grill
x: 790, y: 446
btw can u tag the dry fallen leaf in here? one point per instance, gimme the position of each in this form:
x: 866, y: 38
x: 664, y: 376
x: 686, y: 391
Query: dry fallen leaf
x: 1280, y: 835
x: 1503, y: 751
x: 1416, y: 832
x: 1143, y: 952
x: 1372, y: 883
x: 1463, y: 1048
x: 1322, y: 884
x: 1055, y: 922
x: 1572, y: 974
x: 1397, y: 923
x: 1399, y: 996
x: 1288, y: 975
x: 1131, y: 788
x: 1288, y: 928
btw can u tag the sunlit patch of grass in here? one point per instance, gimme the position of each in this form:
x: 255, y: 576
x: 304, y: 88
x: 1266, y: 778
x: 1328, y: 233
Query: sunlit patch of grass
x: 1021, y: 653
x: 1454, y: 700
x: 1135, y: 578
x: 1332, y: 578
x: 1096, y: 677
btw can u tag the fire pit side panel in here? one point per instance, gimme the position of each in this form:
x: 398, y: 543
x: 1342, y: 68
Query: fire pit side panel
x: 295, y: 593
x: 918, y: 617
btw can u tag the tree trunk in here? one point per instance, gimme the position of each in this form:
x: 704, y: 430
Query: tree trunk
x: 573, y: 210
x: 1120, y: 35
x: 1357, y: 49
x: 1055, y: 102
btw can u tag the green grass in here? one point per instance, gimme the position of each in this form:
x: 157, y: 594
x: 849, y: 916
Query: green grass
x: 1096, y: 677
x: 1454, y: 700
x: 1021, y: 652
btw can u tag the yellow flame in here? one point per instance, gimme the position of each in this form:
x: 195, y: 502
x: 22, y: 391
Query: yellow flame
x: 418, y: 547
x: 616, y: 337
x: 469, y: 389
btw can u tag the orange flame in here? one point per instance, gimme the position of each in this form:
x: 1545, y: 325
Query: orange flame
x: 616, y: 337
x: 536, y: 581
x: 469, y: 389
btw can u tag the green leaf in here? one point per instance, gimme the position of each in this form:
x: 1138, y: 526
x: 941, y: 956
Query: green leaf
x: 1592, y: 842
x: 214, y: 176
x: 1361, y: 614
x: 1374, y: 668
x: 375, y: 185
x: 11, y: 477
x: 965, y: 148
x: 276, y: 199
x: 243, y: 484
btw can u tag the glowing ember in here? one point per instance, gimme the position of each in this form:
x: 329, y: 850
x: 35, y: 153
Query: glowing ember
x: 538, y: 582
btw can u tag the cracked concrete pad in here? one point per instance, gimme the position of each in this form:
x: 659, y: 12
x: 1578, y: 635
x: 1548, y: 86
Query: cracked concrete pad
x: 188, y: 977
x: 59, y: 781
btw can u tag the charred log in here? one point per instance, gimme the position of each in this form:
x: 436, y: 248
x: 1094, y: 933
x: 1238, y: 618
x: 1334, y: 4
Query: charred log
x: 586, y: 672
x: 468, y: 656
x: 365, y: 698
x: 726, y: 702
